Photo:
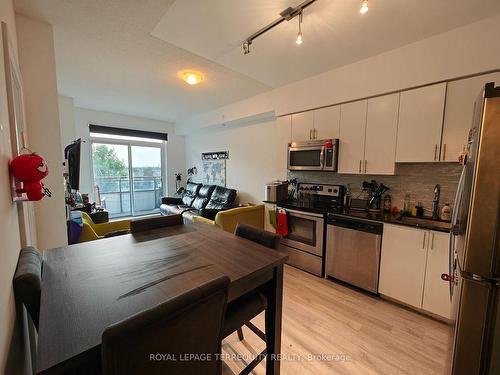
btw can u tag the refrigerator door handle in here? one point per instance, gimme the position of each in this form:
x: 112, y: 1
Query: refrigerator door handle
x: 454, y: 218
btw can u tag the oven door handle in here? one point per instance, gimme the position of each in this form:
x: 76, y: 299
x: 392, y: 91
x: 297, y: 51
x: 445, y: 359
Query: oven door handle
x: 302, y: 214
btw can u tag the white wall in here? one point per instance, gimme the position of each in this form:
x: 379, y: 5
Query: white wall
x: 463, y: 51
x: 38, y: 69
x: 251, y: 161
x: 74, y: 125
x: 466, y: 50
x: 10, y: 346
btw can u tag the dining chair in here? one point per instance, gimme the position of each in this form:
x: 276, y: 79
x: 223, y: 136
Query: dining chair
x: 28, y: 281
x: 180, y: 336
x: 243, y: 309
x: 155, y: 222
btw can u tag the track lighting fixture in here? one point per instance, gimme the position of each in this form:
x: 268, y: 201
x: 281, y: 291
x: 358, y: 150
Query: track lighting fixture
x: 299, y: 35
x: 286, y: 15
x: 364, y: 7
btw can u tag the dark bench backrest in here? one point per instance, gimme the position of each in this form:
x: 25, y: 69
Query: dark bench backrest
x: 28, y: 281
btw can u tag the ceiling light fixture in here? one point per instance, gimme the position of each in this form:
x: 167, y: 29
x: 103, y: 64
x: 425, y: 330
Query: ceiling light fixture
x: 364, y: 7
x: 191, y: 78
x: 299, y: 35
x: 286, y: 15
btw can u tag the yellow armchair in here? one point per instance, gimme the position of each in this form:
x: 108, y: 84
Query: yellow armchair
x: 228, y: 219
x: 92, y: 231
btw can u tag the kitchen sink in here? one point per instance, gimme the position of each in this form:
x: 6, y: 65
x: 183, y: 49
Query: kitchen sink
x: 427, y: 223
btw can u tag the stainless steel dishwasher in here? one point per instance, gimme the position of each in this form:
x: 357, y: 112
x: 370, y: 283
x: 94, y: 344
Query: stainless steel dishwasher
x: 353, y: 251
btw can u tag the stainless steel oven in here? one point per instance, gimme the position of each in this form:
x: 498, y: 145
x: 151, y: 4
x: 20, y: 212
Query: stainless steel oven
x: 304, y: 242
x: 320, y: 155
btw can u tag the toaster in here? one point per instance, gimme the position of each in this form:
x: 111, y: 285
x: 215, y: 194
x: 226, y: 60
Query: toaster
x: 276, y: 191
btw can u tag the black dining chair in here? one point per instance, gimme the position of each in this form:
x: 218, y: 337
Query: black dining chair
x: 159, y: 340
x: 27, y: 281
x: 155, y: 222
x: 243, y: 309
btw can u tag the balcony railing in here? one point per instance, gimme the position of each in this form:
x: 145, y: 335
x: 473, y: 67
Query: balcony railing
x: 145, y: 197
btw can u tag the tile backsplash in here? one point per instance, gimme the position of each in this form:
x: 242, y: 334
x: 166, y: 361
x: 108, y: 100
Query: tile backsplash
x: 418, y: 179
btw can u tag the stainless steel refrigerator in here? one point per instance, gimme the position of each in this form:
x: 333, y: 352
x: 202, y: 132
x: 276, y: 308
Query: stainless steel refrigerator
x: 475, y: 245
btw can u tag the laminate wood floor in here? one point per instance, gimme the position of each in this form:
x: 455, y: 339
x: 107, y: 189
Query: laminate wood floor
x: 356, y: 334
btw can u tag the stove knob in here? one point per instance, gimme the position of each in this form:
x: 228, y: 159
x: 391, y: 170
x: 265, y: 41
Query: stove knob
x: 329, y: 190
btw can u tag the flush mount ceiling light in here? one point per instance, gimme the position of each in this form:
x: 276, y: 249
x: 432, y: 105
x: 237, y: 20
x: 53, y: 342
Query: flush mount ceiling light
x: 191, y: 78
x: 364, y: 7
x: 286, y: 15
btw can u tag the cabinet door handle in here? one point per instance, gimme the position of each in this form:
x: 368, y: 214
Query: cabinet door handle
x: 435, y: 151
x: 365, y: 165
x: 310, y: 134
x: 315, y: 133
x: 360, y: 165
x: 432, y: 241
x: 444, y: 152
x: 423, y: 242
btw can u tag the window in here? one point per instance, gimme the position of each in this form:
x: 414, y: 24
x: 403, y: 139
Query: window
x: 129, y: 172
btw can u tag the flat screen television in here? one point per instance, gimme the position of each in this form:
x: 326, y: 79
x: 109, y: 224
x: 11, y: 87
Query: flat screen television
x: 72, y: 155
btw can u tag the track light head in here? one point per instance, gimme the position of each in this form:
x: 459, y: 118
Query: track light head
x: 364, y: 7
x: 246, y: 47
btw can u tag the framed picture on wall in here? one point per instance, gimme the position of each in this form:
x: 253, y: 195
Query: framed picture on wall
x: 15, y: 105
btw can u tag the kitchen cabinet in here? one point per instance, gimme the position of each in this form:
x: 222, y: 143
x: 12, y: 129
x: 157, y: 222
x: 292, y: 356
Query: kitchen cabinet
x: 283, y: 138
x: 412, y: 262
x: 381, y: 133
x: 321, y: 123
x: 327, y: 123
x: 460, y: 98
x: 302, y: 126
x: 420, y: 124
x: 436, y: 291
x: 352, y: 136
x: 402, y: 264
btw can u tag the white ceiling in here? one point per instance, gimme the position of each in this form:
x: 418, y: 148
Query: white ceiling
x: 124, y: 55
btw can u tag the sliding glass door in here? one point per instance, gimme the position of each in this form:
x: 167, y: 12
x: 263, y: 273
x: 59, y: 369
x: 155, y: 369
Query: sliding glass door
x: 129, y: 175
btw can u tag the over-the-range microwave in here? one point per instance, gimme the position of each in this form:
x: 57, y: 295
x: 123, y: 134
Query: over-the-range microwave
x: 318, y: 155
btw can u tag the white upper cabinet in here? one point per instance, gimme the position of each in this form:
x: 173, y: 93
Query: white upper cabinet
x: 436, y: 291
x: 283, y: 137
x: 352, y: 137
x: 302, y: 126
x: 381, y: 133
x: 327, y: 123
x: 460, y: 98
x: 420, y: 124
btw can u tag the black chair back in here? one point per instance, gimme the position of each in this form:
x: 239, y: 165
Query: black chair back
x: 28, y: 281
x: 258, y: 235
x: 154, y: 341
x: 140, y: 225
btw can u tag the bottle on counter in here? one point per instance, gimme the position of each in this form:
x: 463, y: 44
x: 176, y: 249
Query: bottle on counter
x: 446, y: 212
x: 347, y: 196
x: 420, y: 209
x: 387, y: 203
x: 407, y: 204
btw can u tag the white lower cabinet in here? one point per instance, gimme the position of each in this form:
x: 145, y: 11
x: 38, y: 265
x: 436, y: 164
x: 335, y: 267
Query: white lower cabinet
x: 412, y: 262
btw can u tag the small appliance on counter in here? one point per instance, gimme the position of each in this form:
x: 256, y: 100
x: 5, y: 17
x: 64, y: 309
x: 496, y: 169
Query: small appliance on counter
x: 276, y: 191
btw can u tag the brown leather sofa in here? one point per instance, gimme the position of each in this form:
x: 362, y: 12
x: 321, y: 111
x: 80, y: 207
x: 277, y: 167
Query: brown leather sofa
x: 199, y: 200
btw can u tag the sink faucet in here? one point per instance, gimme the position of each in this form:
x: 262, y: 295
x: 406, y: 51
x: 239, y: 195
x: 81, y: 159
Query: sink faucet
x: 435, y: 202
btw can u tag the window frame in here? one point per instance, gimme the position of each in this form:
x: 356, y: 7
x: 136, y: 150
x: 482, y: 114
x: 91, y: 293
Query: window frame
x: 129, y: 143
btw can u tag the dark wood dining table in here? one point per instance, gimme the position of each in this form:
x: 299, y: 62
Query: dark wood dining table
x: 86, y: 287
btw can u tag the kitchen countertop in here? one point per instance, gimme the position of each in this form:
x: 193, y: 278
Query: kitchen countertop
x: 385, y: 217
